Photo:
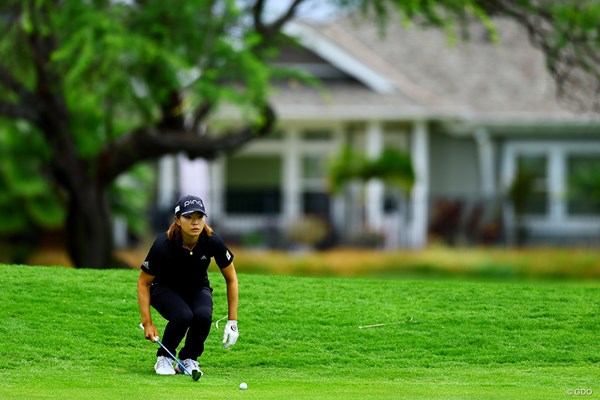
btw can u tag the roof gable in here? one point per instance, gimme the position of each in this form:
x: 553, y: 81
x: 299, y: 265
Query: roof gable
x: 296, y: 56
x: 340, y: 58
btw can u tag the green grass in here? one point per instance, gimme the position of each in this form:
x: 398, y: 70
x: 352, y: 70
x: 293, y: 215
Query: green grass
x: 73, y: 334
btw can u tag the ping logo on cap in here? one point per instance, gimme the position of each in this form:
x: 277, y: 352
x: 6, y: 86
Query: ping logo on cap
x: 194, y: 201
x: 189, y: 204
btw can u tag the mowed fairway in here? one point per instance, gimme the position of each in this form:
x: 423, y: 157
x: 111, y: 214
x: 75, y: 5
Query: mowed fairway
x: 73, y: 334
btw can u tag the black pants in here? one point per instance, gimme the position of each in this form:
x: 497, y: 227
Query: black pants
x: 187, y: 313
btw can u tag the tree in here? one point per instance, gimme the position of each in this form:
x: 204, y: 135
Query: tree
x: 392, y: 166
x: 107, y: 85
x: 101, y: 86
x: 568, y: 33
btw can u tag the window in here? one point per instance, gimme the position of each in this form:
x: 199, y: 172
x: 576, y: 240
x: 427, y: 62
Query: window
x: 314, y: 173
x: 584, y: 184
x: 532, y: 184
x: 316, y: 203
x: 316, y: 135
x: 560, y: 183
x: 314, y: 167
x: 253, y: 185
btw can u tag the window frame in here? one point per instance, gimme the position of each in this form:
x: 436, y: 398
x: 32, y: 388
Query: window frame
x: 557, y: 152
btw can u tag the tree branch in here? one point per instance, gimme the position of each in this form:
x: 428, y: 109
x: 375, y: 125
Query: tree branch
x: 200, y: 114
x: 572, y: 66
x: 11, y: 16
x: 150, y: 143
x: 48, y: 83
x: 8, y: 80
x: 28, y: 106
x: 269, y: 30
x: 10, y: 110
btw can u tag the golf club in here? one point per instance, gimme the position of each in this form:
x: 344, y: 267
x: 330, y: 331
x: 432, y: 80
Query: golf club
x: 194, y: 374
x: 219, y: 320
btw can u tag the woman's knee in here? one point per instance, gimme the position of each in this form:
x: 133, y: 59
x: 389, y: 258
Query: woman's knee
x: 182, y: 316
x: 203, y: 315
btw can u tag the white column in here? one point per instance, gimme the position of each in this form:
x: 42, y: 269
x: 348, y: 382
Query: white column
x: 508, y: 172
x: 420, y: 192
x: 339, y: 204
x: 167, y: 182
x: 292, y: 171
x: 486, y: 162
x: 194, y: 177
x: 120, y: 239
x: 375, y: 187
x: 557, y: 184
x: 216, y: 200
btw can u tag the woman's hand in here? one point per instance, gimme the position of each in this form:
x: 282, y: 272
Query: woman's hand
x: 231, y: 334
x: 150, y: 332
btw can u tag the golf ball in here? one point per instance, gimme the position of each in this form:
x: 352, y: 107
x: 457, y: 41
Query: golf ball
x: 243, y: 386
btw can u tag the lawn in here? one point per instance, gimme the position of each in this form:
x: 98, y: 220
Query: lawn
x: 73, y: 334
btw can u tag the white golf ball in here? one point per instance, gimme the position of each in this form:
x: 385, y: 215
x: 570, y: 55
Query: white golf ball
x: 243, y: 386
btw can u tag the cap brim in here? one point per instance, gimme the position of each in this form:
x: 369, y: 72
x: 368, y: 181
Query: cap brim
x: 193, y: 211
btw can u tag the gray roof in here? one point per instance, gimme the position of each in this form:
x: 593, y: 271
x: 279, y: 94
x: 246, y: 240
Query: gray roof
x: 431, y: 77
x: 344, y: 102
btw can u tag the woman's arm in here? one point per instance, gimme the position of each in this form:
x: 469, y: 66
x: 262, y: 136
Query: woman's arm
x: 143, y: 290
x: 231, y: 334
x: 232, y: 291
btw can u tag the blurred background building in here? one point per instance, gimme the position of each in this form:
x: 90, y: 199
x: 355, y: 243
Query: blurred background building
x: 496, y: 158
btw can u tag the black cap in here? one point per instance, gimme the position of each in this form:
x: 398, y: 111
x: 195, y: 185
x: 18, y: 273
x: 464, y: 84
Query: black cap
x: 189, y: 204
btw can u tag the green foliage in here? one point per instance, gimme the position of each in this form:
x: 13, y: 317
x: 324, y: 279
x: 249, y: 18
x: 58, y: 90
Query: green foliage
x: 451, y: 340
x: 131, y: 193
x: 136, y: 56
x: 116, y: 64
x: 27, y: 199
x: 392, y: 166
x: 449, y: 15
x: 348, y: 165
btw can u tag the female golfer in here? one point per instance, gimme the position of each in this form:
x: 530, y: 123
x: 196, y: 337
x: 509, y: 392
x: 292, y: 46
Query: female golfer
x: 174, y: 281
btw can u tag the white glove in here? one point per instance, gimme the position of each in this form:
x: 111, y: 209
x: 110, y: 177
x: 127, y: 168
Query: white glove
x: 231, y: 333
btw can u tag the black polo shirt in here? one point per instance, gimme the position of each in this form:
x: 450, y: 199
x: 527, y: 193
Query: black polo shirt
x: 176, y: 267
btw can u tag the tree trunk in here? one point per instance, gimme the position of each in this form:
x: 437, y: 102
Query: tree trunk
x: 89, y: 230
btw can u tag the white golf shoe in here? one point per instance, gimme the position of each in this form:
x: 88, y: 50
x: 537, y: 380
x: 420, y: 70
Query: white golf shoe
x: 191, y: 365
x: 164, y: 366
